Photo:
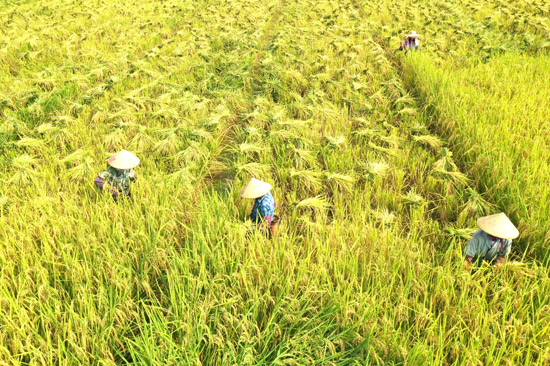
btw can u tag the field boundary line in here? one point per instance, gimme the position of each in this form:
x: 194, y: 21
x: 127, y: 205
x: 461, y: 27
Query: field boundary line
x: 265, y: 42
x: 434, y: 114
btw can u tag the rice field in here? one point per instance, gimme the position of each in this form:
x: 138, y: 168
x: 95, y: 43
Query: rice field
x: 380, y: 164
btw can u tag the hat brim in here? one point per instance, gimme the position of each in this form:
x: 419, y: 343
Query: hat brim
x: 412, y: 35
x: 123, y: 160
x: 255, y: 189
x: 499, y: 226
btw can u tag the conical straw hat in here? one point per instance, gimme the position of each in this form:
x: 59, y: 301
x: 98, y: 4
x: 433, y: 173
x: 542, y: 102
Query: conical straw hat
x: 498, y: 225
x: 413, y: 34
x: 255, y: 188
x: 123, y: 160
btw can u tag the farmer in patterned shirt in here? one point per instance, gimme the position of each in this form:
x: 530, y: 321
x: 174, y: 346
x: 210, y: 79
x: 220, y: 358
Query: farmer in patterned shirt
x: 493, y: 242
x: 119, y: 174
x: 411, y: 43
x: 264, y: 204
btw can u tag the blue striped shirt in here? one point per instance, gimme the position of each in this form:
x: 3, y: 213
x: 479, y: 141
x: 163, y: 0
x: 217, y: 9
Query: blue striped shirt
x: 264, y: 209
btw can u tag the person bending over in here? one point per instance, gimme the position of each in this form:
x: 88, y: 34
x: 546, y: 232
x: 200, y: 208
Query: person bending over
x: 118, y: 175
x: 493, y: 241
x: 264, y: 204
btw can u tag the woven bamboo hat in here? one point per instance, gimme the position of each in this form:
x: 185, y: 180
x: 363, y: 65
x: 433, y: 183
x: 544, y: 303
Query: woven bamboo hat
x: 123, y: 160
x: 413, y: 34
x: 255, y: 188
x: 498, y: 225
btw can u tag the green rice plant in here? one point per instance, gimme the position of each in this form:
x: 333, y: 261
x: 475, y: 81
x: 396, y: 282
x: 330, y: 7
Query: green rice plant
x: 251, y: 169
x: 284, y: 135
x: 252, y: 132
x: 200, y: 134
x: 141, y: 140
x: 455, y: 177
x: 115, y: 139
x: 168, y: 145
x: 249, y: 148
x: 446, y: 162
x: 29, y: 142
x: 303, y: 157
x: 13, y: 126
x: 82, y: 171
x: 476, y: 204
x: 365, y: 132
x: 4, y: 202
x: 383, y: 150
x: 383, y: 216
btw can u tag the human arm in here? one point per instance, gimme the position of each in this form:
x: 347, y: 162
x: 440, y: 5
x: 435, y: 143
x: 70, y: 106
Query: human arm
x: 263, y: 211
x: 106, y: 180
x: 102, y: 178
x: 502, y: 253
x: 264, y: 216
x: 99, y: 182
x: 472, y: 249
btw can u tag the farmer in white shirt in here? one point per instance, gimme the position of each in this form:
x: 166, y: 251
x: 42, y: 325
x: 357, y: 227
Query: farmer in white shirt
x: 493, y: 241
x: 411, y: 42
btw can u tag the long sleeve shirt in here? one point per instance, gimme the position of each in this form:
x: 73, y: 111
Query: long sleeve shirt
x: 264, y: 209
x: 487, y: 247
x: 410, y: 44
x: 118, y: 181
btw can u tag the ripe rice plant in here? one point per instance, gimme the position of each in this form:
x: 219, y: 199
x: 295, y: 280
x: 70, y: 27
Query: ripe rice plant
x: 376, y: 201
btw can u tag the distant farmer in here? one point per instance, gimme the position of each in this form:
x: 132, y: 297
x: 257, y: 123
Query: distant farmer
x: 411, y: 42
x: 118, y: 175
x: 493, y: 242
x: 263, y: 212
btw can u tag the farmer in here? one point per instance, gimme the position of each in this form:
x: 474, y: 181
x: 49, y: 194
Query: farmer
x: 411, y: 43
x: 263, y: 212
x: 493, y: 242
x: 118, y: 174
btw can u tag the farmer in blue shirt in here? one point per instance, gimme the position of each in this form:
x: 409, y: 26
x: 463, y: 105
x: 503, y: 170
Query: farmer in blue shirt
x: 493, y: 242
x: 263, y: 211
x: 411, y: 43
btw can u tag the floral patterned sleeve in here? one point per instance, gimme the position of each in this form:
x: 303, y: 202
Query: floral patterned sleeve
x: 101, y: 179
